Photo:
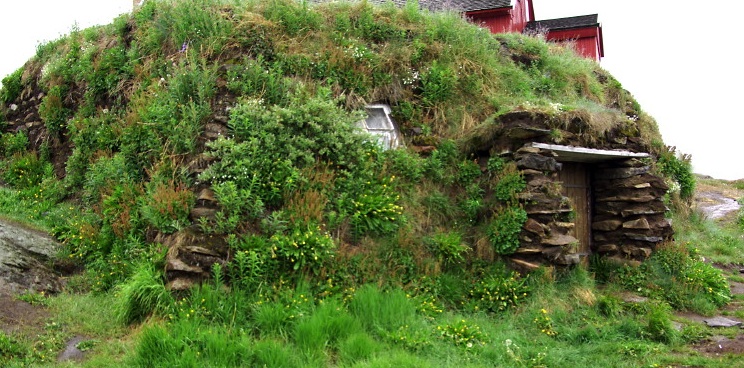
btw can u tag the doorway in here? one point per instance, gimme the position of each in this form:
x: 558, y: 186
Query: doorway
x: 576, y: 186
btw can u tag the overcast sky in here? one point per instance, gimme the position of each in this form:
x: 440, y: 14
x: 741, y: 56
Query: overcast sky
x: 679, y: 59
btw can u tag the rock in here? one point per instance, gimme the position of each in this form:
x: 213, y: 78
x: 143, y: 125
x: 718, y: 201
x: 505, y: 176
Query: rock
x: 24, y: 258
x: 524, y: 265
x: 640, y: 223
x: 560, y: 240
x: 537, y: 162
x: 628, y: 198
x: 200, y: 250
x: 528, y: 150
x: 529, y: 250
x: 534, y: 227
x: 206, y: 198
x: 175, y: 264
x: 621, y: 173
x: 721, y: 322
x: 607, y: 248
x: 199, y: 212
x: 526, y: 172
x: 568, y: 259
x: 72, y: 352
x: 607, y: 225
x: 180, y: 284
x: 644, y: 238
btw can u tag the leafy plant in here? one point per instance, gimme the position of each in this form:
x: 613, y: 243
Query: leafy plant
x: 12, y: 86
x: 305, y: 247
x: 52, y: 110
x: 448, y: 247
x: 167, y: 206
x: 498, y: 292
x: 504, y: 229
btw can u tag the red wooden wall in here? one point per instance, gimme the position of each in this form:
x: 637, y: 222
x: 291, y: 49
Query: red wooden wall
x: 504, y: 19
x: 587, y: 41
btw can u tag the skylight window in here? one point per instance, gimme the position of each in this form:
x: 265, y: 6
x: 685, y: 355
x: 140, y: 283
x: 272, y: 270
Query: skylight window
x: 381, y: 125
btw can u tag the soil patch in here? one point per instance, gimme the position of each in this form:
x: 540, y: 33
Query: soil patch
x: 720, y: 345
x: 17, y: 316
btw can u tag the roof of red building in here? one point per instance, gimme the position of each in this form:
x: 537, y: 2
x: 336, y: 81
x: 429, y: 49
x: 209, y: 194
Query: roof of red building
x: 580, y: 21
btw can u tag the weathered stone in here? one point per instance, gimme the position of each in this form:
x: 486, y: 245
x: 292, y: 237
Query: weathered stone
x: 537, y: 162
x: 641, y: 186
x: 640, y: 223
x: 201, y: 250
x: 199, y: 212
x: 538, y: 211
x: 529, y: 250
x: 539, y: 181
x: 206, y: 195
x: 644, y: 238
x: 180, y: 284
x: 619, y: 173
x: 564, y: 225
x: 551, y: 253
x: 526, y: 172
x: 628, y: 198
x: 528, y: 150
x: 568, y: 259
x: 721, y: 322
x: 607, y: 225
x: 534, y: 227
x: 607, y: 248
x: 175, y: 264
x: 560, y: 240
x: 636, y: 252
x: 525, y: 265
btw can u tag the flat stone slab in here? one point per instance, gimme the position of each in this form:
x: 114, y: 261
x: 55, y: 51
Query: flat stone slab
x: 721, y: 322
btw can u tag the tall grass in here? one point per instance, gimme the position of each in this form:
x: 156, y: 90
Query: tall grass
x: 142, y: 295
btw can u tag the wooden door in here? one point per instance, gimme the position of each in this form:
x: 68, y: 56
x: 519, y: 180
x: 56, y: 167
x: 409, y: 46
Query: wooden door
x: 576, y: 186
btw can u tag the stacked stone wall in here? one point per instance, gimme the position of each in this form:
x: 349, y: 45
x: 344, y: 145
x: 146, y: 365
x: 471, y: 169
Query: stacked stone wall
x: 629, y: 220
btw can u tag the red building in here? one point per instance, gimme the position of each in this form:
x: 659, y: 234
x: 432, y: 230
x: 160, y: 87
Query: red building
x: 500, y: 16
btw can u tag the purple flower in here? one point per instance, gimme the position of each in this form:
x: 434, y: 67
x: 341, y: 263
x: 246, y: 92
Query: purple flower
x: 184, y: 47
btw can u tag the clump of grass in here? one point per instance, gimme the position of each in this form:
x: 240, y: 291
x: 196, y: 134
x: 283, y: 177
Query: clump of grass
x: 382, y: 311
x: 142, y: 295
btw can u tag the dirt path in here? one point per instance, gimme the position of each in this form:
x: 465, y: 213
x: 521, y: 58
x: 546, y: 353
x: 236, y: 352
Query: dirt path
x: 717, y: 201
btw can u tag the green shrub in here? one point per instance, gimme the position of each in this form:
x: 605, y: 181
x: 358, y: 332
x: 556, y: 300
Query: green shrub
x: 166, y: 206
x: 448, y: 247
x: 679, y: 169
x: 12, y: 86
x: 674, y: 275
x: 499, y: 291
x: 303, y: 248
x: 25, y: 170
x: 52, y: 110
x: 463, y: 333
x: 509, y: 185
x: 504, y: 228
